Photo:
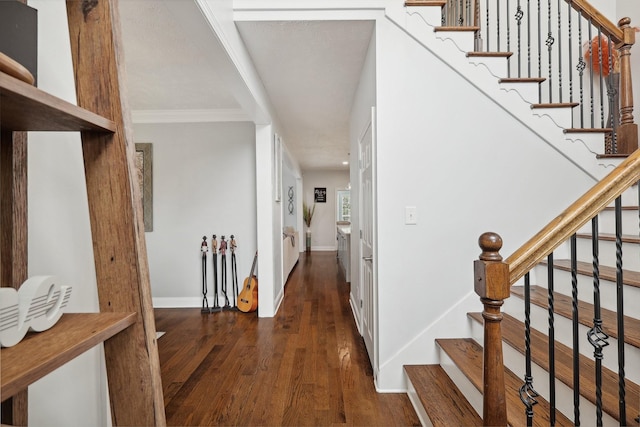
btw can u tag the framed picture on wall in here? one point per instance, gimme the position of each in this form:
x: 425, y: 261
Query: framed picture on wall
x: 320, y: 194
x: 144, y: 168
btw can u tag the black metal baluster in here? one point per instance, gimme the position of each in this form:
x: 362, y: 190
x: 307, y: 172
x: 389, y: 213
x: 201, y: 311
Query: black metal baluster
x: 601, y: 78
x: 580, y: 67
x: 487, y: 32
x: 592, y: 110
x: 527, y: 392
x: 620, y: 310
x: 497, y: 25
x: 552, y: 340
x: 519, y: 15
x: 612, y: 92
x: 549, y: 42
x: 529, y: 38
x: 574, y: 324
x: 559, y: 52
x: 597, y: 337
x: 570, y: 14
x: 539, y: 51
x: 508, y: 39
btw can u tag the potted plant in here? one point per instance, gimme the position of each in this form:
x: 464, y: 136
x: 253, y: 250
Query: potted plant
x: 307, y: 215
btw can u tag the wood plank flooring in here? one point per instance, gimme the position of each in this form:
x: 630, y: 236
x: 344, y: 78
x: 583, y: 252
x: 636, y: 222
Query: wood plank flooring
x: 308, y: 366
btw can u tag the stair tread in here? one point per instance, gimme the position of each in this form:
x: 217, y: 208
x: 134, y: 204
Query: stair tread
x: 629, y: 277
x: 624, y: 208
x: 467, y: 355
x: 456, y: 29
x: 513, y: 334
x: 522, y: 80
x: 562, y: 306
x: 588, y: 130
x: 626, y: 238
x: 489, y: 54
x: 556, y: 105
x: 439, y: 3
x: 442, y: 400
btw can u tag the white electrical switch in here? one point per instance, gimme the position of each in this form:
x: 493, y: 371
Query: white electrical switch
x: 410, y: 215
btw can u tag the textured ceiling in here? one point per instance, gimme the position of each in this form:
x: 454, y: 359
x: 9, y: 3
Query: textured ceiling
x: 310, y: 70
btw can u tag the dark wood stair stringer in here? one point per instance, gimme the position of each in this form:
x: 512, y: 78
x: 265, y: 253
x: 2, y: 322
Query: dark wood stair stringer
x: 467, y: 355
x: 513, y: 334
x: 443, y: 402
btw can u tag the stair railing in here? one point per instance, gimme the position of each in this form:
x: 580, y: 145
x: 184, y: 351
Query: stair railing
x: 495, y: 276
x: 580, y: 59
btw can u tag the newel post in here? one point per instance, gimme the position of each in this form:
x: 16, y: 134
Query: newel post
x: 491, y: 276
x: 627, y: 140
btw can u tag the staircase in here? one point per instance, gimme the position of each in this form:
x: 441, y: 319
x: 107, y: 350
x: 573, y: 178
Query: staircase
x: 452, y: 393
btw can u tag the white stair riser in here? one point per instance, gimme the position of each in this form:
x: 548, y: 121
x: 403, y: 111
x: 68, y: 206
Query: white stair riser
x: 417, y: 404
x: 464, y: 40
x: 593, y: 141
x: 563, y: 333
x: 431, y: 15
x: 607, y: 223
x: 473, y: 395
x: 560, y: 116
x: 515, y: 361
x: 497, y: 66
x: 528, y: 91
x: 608, y: 297
x: 607, y: 253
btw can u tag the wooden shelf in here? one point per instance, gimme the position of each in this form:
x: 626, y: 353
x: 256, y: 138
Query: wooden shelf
x: 40, y: 353
x: 26, y: 108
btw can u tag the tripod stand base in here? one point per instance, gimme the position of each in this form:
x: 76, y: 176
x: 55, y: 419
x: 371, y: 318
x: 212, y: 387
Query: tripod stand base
x: 215, y: 310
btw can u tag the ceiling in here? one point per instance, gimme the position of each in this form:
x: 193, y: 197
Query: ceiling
x: 309, y: 69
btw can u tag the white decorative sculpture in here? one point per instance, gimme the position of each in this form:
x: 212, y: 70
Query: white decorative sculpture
x: 38, y: 305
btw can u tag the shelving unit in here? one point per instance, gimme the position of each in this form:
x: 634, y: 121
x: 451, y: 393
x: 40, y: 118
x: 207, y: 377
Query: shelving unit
x: 125, y: 323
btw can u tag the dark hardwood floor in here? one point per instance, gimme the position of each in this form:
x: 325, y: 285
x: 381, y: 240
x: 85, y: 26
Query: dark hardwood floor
x: 308, y: 366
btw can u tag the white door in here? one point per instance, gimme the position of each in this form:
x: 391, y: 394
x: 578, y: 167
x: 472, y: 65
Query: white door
x: 368, y: 269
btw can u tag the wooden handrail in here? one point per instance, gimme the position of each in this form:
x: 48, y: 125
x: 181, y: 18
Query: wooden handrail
x: 608, y: 27
x: 574, y: 217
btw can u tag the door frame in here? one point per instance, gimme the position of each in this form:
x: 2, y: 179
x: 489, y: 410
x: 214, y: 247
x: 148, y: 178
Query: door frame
x: 371, y: 124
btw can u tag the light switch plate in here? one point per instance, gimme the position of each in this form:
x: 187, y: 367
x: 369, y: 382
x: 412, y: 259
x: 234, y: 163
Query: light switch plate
x: 410, y: 215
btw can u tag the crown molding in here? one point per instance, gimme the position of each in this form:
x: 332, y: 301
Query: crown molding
x: 189, y: 116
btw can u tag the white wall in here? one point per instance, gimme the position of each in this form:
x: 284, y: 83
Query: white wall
x: 60, y: 236
x: 323, y: 224
x: 468, y: 167
x: 204, y: 183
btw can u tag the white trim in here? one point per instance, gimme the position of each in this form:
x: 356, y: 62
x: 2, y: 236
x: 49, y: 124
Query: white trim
x: 189, y: 116
x: 323, y: 248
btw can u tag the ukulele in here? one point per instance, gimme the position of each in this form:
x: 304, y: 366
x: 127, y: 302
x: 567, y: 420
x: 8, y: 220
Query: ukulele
x: 248, y: 298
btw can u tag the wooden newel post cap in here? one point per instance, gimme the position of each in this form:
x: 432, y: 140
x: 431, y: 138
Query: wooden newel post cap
x: 490, y: 273
x: 490, y: 243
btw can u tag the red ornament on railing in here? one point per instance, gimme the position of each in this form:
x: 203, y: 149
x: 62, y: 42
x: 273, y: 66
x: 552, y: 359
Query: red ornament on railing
x: 592, y: 55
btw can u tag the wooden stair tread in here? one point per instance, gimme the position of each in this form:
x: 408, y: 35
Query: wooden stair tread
x: 612, y: 156
x: 626, y: 238
x: 556, y: 105
x: 588, y: 130
x: 624, y: 208
x: 489, y: 54
x: 442, y: 400
x: 456, y: 29
x: 467, y: 355
x: 513, y: 334
x: 562, y: 306
x: 522, y: 80
x: 439, y: 3
x: 629, y: 277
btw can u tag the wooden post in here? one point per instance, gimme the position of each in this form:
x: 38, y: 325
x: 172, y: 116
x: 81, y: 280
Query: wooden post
x: 628, y: 130
x: 115, y: 208
x: 492, y: 285
x: 13, y: 246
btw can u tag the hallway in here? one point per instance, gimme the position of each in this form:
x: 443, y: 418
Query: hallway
x: 307, y: 366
